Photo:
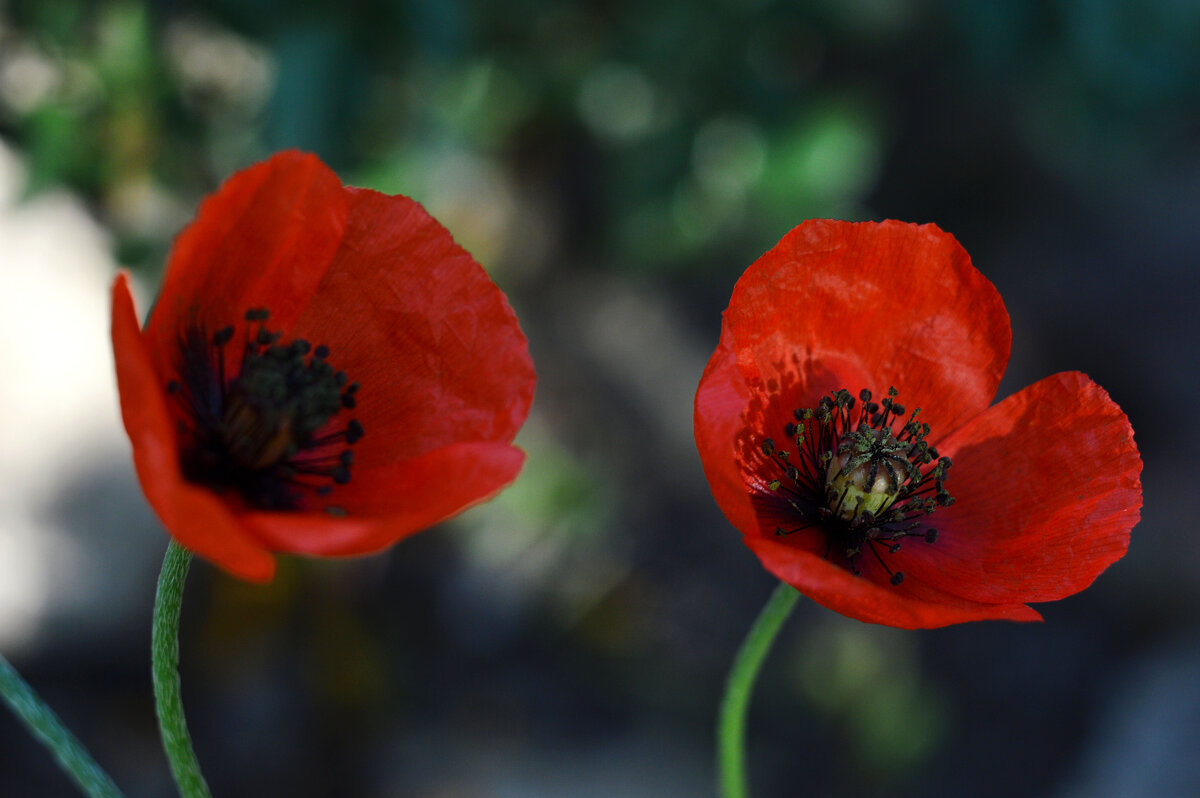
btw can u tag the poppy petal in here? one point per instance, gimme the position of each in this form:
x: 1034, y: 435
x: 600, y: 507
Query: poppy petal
x: 1047, y: 488
x: 389, y: 503
x: 727, y: 404
x: 717, y: 419
x: 900, y: 303
x: 264, y: 239
x: 197, y: 517
x: 411, y: 316
x: 907, y: 606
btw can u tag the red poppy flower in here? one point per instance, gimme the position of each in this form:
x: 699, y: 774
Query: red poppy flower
x: 325, y: 372
x: 808, y: 426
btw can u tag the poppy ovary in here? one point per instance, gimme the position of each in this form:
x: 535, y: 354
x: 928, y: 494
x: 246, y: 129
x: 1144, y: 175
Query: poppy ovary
x: 864, y: 477
x: 867, y: 472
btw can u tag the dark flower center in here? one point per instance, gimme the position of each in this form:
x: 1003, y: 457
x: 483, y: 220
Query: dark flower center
x: 266, y: 429
x: 865, y: 479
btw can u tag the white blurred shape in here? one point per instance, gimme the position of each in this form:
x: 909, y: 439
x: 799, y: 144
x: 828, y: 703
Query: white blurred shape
x: 58, y: 407
x: 217, y: 69
x: 27, y: 77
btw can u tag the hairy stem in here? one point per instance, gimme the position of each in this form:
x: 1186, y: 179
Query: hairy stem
x: 731, y: 720
x: 43, y: 724
x: 164, y: 647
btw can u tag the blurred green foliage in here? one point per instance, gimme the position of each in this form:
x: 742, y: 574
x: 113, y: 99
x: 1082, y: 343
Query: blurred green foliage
x: 654, y: 134
x: 619, y: 135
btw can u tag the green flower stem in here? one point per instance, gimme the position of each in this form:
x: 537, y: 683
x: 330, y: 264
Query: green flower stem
x: 164, y: 647
x: 45, y: 726
x: 731, y: 721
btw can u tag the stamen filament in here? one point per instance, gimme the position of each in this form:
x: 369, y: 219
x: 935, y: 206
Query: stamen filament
x: 862, y: 472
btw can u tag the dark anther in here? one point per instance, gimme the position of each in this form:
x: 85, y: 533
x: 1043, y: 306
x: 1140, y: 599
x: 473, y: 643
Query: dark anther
x: 262, y: 423
x: 862, y: 473
x: 352, y: 388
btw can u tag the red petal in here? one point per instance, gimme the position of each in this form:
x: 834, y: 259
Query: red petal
x: 900, y: 304
x: 390, y: 503
x: 195, y: 517
x: 412, y: 317
x: 263, y: 240
x: 907, y: 606
x: 727, y: 407
x: 1047, y: 488
x: 717, y: 419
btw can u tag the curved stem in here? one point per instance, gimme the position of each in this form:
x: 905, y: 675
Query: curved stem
x: 164, y: 647
x: 731, y: 721
x: 43, y: 724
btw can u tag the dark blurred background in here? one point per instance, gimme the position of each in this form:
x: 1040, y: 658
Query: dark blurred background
x: 615, y: 166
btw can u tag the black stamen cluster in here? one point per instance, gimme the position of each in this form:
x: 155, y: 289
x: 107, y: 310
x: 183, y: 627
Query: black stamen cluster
x: 264, y: 429
x: 832, y: 440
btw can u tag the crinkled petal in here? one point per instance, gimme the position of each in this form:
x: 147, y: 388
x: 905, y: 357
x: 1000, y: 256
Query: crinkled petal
x: 717, y: 419
x: 1047, y: 487
x: 900, y: 303
x: 264, y: 239
x: 732, y: 414
x: 195, y: 516
x: 909, y: 605
x: 418, y: 323
x: 390, y: 503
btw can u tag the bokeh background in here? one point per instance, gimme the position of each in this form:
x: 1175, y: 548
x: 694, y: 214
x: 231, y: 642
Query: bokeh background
x: 615, y: 166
